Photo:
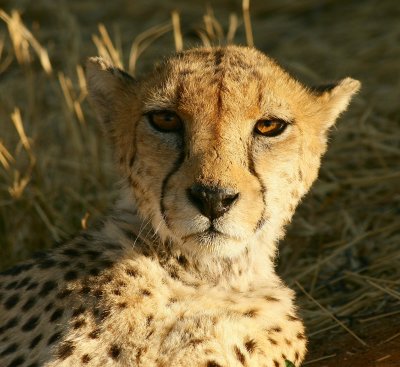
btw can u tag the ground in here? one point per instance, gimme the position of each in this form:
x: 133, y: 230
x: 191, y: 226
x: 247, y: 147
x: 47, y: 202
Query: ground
x: 342, y: 247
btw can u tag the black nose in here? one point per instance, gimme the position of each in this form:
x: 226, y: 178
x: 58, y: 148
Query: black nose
x: 212, y: 201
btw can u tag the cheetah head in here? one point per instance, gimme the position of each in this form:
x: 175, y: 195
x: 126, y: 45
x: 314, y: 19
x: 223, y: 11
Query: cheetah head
x: 217, y: 145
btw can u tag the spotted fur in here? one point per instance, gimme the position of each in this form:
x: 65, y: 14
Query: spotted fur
x: 153, y: 285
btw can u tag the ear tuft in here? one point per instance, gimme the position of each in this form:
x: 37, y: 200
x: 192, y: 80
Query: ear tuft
x: 106, y: 84
x: 336, y: 97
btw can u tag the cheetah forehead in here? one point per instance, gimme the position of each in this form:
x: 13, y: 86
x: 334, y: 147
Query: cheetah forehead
x: 233, y: 78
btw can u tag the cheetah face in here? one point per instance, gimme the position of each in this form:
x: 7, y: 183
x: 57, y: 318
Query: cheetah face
x: 218, y: 144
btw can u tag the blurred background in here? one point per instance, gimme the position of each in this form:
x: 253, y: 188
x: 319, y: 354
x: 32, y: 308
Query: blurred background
x: 342, y: 251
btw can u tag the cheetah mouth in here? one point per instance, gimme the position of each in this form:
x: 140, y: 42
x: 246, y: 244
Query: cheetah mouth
x: 209, y: 235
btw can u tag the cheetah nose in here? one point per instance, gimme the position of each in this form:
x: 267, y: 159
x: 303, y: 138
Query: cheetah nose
x: 212, y: 202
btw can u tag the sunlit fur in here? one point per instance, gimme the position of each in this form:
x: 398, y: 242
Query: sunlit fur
x: 151, y: 285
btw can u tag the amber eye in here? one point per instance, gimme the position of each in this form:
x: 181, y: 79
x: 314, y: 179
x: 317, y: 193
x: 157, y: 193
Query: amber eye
x: 270, y: 127
x: 166, y: 121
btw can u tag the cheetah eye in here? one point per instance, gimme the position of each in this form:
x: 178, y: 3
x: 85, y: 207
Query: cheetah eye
x: 165, y: 121
x: 270, y: 127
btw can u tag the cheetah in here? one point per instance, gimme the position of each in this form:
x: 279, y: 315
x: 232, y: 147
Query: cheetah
x: 215, y: 147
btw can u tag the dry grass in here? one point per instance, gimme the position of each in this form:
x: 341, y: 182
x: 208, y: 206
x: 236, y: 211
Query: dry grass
x: 342, y: 253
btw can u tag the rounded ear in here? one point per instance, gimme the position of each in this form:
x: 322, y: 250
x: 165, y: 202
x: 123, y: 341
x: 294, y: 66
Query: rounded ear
x: 336, y: 97
x: 113, y: 96
x: 107, y: 85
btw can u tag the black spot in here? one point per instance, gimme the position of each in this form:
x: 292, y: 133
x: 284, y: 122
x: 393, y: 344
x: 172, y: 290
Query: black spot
x: 122, y: 305
x: 32, y: 286
x: 98, y: 293
x: 49, y: 306
x: 12, y: 285
x: 79, y: 323
x: 70, y: 275
x: 131, y: 272
x: 94, y: 334
x: 251, y: 313
x: 10, y: 349
x: 23, y: 283
x: 149, y: 319
x: 213, y: 364
x: 276, y: 363
x: 300, y: 336
x: 56, y: 315
x: 239, y: 355
x: 114, y: 351
x: 104, y: 314
x: 145, y: 292
x: 29, y: 303
x: 106, y: 263
x: 296, y: 356
x: 250, y: 346
x: 117, y: 292
x: 78, y: 311
x: 47, y: 288
x: 31, y: 323
x: 182, y: 260
x: 276, y: 329
x: 292, y: 318
x: 18, y: 269
x: 10, y: 324
x: 70, y: 252
x: 85, y: 358
x: 94, y: 271
x: 64, y: 264
x: 46, y: 263
x: 11, y: 301
x: 272, y: 341
x: 54, y: 338
x: 17, y: 361
x: 84, y: 290
x: 271, y: 299
x: 92, y: 254
x: 65, y: 350
x: 64, y: 293
x: 35, y: 341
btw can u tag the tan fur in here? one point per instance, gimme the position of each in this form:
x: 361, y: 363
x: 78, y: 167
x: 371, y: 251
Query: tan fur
x: 149, y: 286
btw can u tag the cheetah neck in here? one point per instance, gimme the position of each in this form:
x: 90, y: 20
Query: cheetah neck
x: 254, y: 265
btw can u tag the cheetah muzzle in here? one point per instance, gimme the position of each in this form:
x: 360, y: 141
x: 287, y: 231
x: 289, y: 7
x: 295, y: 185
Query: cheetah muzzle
x: 215, y: 147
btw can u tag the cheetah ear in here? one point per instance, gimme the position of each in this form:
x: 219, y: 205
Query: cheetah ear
x: 335, y: 98
x: 108, y: 87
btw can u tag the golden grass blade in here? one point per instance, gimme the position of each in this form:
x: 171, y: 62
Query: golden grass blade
x: 233, y: 26
x: 216, y: 26
x: 19, y: 126
x: 22, y: 38
x: 247, y: 23
x: 5, y: 156
x: 390, y: 339
x: 176, y: 25
x: 204, y: 37
x: 209, y: 27
x: 65, y: 87
x: 18, y: 186
x: 112, y: 52
x: 144, y: 40
x: 81, y: 82
x: 330, y: 314
x: 319, y: 359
